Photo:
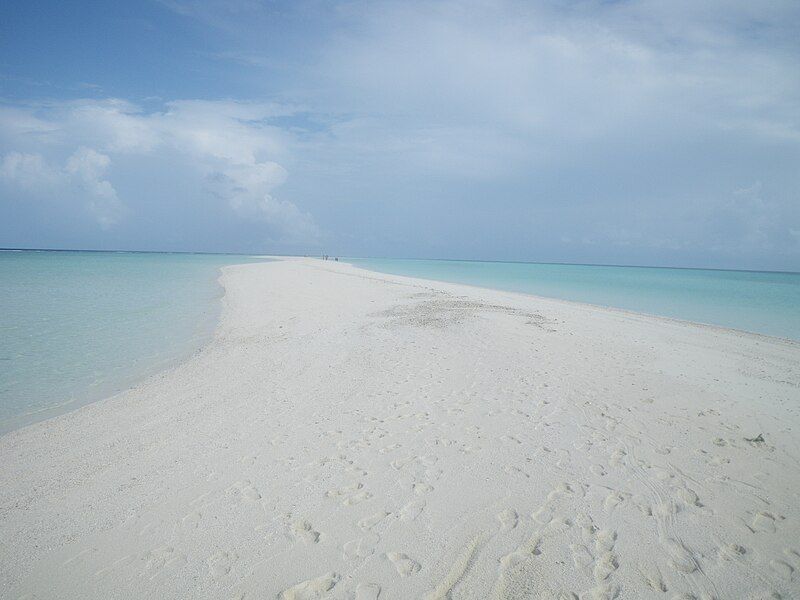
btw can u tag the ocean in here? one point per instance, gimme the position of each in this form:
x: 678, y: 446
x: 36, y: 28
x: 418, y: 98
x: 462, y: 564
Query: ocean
x: 79, y: 326
x: 755, y: 301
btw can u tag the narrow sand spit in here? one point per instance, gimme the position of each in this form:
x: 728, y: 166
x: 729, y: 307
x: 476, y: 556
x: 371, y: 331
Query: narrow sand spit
x: 355, y: 435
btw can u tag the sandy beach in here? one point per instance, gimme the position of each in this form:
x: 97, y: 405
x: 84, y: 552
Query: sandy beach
x: 348, y: 434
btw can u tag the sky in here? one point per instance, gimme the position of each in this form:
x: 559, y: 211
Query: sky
x: 593, y: 131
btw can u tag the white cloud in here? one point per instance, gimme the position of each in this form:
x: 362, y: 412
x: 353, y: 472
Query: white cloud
x: 27, y: 171
x: 87, y: 167
x: 570, y: 72
x: 416, y: 127
x: 295, y: 225
x: 81, y: 177
x: 228, y: 144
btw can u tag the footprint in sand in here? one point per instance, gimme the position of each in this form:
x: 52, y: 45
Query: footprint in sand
x: 192, y: 520
x: 250, y: 494
x: 368, y: 591
x: 404, y: 565
x: 508, y: 519
x: 654, y: 580
x: 605, y: 540
x: 605, y: 566
x: 668, y: 508
x: 783, y: 569
x: 581, y: 555
x: 661, y: 474
x: 688, y: 496
x: 616, y: 458
x: 643, y: 505
x: 357, y: 498
x: 344, y: 490
x: 598, y: 470
x: 399, y: 463
x: 516, y: 471
x: 220, y: 564
x: 543, y: 515
x: 680, y: 558
x: 792, y: 556
x: 412, y: 510
x: 350, y: 494
x: 763, y: 522
x: 372, y: 520
x: 433, y: 474
x: 588, y: 528
x: 558, y: 524
x: 731, y: 552
x: 718, y: 461
x: 245, y: 490
x: 613, y: 500
x: 561, y: 490
x: 311, y: 589
x: 360, y: 548
x: 302, y: 530
x: 421, y: 488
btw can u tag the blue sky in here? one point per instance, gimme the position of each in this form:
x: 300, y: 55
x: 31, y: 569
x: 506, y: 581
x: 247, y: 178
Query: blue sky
x: 628, y: 132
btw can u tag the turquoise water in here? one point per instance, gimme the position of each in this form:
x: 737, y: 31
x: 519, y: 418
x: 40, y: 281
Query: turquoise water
x: 761, y: 302
x: 78, y: 326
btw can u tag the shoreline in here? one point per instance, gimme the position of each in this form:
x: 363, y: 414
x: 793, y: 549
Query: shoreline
x: 133, y: 380
x: 619, y: 307
x: 602, y: 307
x: 126, y: 371
x: 343, y: 422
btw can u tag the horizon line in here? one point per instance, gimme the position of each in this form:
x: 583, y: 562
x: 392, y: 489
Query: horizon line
x: 478, y: 260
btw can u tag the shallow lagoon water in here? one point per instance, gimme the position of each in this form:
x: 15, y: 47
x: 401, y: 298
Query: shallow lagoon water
x: 79, y: 326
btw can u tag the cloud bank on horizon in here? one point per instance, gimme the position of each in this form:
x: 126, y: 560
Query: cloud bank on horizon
x: 629, y: 132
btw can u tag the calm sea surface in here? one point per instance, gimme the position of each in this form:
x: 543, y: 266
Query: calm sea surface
x: 761, y: 302
x: 79, y: 326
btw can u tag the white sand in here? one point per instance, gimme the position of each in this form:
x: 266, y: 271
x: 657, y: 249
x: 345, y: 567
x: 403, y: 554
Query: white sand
x: 349, y: 434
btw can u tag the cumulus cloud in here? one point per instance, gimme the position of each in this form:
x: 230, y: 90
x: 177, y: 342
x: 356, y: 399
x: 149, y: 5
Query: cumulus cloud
x: 247, y: 188
x: 87, y: 167
x: 299, y: 224
x: 227, y: 144
x: 82, y: 176
x: 28, y: 171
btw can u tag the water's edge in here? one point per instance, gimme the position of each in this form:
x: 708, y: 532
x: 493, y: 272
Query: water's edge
x: 156, y: 370
x: 375, y: 266
x: 179, y: 346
